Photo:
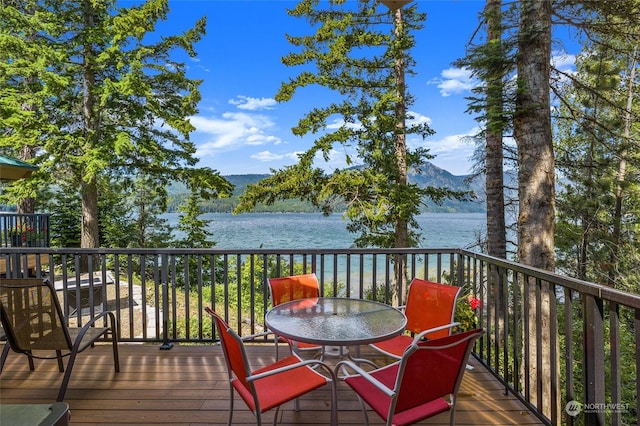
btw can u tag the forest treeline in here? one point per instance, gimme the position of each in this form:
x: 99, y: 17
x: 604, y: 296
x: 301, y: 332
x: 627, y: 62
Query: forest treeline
x: 431, y: 175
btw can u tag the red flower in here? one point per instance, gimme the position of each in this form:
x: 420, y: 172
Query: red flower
x: 474, y: 302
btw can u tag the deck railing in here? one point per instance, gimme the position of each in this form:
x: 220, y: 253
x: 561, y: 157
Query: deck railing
x: 569, y: 349
x: 18, y: 229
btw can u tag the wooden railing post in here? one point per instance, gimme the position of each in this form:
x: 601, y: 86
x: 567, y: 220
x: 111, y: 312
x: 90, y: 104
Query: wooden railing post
x: 593, y: 352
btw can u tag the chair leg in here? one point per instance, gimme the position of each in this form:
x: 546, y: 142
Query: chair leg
x: 31, y: 364
x: 452, y: 414
x: 276, y: 414
x: 114, y: 342
x: 5, y: 353
x: 230, y: 405
x: 363, y: 407
x: 67, y: 375
x: 60, y: 363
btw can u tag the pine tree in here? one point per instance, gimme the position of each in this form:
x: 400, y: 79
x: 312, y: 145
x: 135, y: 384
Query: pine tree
x: 599, y: 160
x: 355, y: 52
x: 111, y: 104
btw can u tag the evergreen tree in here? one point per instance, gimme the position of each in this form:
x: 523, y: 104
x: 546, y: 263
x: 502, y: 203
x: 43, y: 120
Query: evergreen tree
x: 493, y: 63
x: 599, y: 160
x: 194, y: 229
x: 536, y: 189
x: 149, y: 196
x: 113, y: 104
x: 26, y: 77
x: 355, y: 52
x: 195, y: 235
x: 65, y: 209
x: 117, y: 222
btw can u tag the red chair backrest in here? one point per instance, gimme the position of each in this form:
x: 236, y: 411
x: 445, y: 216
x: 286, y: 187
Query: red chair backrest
x: 430, y: 305
x: 284, y: 289
x: 233, y: 349
x: 433, y: 369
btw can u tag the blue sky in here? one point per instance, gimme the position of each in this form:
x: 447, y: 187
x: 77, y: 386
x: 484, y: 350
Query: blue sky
x: 242, y: 130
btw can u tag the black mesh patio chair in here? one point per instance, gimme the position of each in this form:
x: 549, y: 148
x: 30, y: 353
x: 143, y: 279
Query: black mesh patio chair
x: 32, y: 321
x: 5, y: 349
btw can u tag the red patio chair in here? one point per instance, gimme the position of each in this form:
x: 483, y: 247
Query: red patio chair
x: 430, y: 306
x: 422, y: 384
x: 273, y: 385
x: 294, y: 287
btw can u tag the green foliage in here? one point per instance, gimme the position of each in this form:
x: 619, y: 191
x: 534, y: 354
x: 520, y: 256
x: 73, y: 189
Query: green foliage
x: 466, y: 312
x: 598, y: 159
x: 375, y: 195
x: 110, y: 104
x: 118, y: 225
x: 493, y: 62
x: 429, y: 176
x: 65, y: 210
x: 194, y: 229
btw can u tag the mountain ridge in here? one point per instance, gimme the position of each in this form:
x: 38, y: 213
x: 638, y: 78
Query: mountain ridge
x: 429, y: 175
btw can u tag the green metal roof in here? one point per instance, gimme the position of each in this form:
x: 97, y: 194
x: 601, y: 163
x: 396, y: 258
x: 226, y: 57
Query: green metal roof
x: 12, y: 168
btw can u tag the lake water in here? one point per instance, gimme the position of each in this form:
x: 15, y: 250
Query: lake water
x: 313, y: 230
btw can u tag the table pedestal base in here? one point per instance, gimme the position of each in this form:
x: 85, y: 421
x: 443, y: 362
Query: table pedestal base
x: 337, y: 351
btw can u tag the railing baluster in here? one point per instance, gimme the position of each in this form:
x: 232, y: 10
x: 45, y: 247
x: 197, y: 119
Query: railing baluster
x: 553, y: 352
x: 593, y: 350
x: 513, y: 309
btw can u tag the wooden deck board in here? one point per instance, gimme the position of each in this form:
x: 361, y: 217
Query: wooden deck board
x: 187, y: 386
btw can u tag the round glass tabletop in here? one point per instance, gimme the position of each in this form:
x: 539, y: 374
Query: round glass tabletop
x: 335, y: 321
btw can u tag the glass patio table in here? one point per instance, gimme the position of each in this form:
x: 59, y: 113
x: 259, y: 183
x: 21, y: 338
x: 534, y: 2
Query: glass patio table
x: 335, y: 321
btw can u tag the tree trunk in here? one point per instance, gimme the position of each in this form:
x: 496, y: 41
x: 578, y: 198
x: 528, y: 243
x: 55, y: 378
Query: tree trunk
x: 27, y: 205
x: 401, y: 231
x: 536, y: 180
x: 90, y: 236
x: 90, y: 230
x: 622, y: 172
x: 494, y: 169
x: 496, y: 230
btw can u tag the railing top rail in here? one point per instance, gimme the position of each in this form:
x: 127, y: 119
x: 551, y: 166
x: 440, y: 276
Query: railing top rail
x: 168, y: 251
x: 597, y: 290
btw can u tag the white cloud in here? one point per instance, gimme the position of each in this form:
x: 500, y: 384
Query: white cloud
x: 452, y: 152
x: 253, y: 104
x: 563, y: 61
x: 268, y: 156
x: 417, y: 118
x: 232, y: 131
x: 339, y: 122
x: 453, y: 81
x: 337, y: 160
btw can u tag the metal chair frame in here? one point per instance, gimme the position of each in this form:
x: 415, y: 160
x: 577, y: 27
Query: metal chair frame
x: 32, y: 320
x: 430, y: 306
x: 293, y: 287
x: 273, y: 385
x: 423, y: 383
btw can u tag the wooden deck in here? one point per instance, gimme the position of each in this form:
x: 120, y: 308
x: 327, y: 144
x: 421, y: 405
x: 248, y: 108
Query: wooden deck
x: 187, y: 385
